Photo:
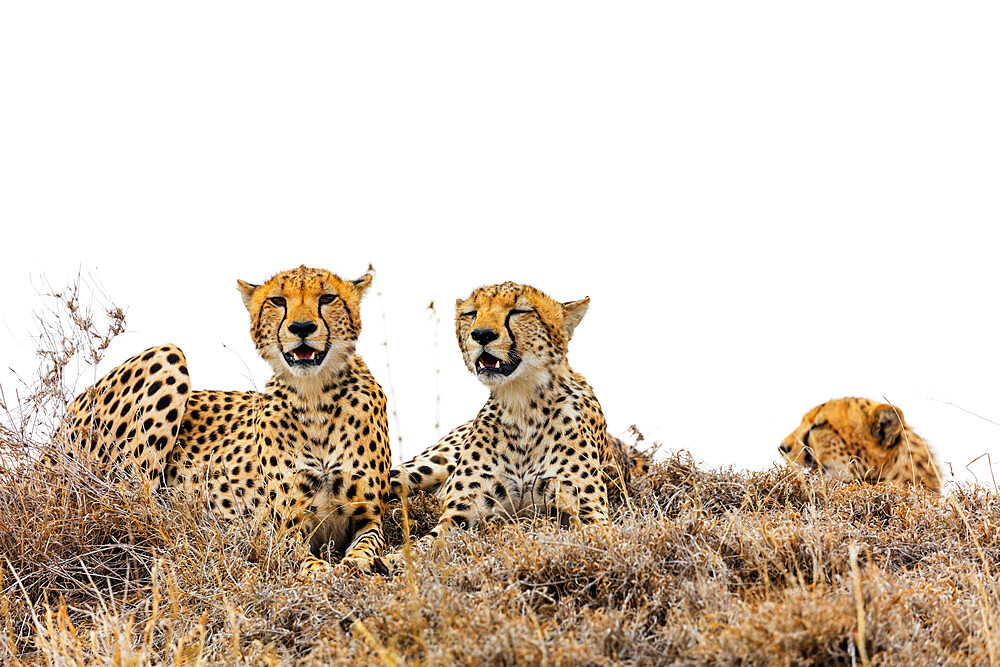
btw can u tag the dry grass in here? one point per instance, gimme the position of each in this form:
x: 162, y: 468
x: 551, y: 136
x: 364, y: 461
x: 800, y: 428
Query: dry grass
x: 698, y: 567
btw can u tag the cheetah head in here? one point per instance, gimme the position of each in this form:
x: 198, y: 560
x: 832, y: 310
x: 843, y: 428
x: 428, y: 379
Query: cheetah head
x: 514, y: 333
x: 847, y: 438
x: 305, y: 322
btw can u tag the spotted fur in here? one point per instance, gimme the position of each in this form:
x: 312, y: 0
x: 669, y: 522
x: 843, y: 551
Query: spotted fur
x: 540, y: 444
x: 859, y: 439
x: 131, y: 416
x: 310, y: 452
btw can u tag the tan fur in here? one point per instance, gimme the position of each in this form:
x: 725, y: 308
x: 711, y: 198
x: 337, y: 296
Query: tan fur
x: 311, y: 451
x: 855, y: 438
x: 540, y: 444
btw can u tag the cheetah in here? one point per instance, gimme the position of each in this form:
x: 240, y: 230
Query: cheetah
x: 310, y: 451
x: 859, y: 439
x: 540, y: 444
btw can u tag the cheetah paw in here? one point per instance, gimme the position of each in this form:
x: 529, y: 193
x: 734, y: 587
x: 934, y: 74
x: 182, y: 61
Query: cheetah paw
x: 365, y: 564
x: 313, y: 566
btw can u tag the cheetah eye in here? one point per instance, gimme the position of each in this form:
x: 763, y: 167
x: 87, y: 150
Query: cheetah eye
x: 517, y: 311
x: 277, y: 300
x: 327, y: 298
x: 471, y: 313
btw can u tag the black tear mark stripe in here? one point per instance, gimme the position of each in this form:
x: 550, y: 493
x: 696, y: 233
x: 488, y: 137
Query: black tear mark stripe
x: 805, y: 438
x: 284, y: 316
x: 513, y: 342
x: 319, y: 311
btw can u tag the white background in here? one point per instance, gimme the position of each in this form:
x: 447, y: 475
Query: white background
x: 770, y: 204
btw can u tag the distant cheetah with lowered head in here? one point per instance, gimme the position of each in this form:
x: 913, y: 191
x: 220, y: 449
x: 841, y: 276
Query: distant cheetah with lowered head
x: 310, y: 452
x: 540, y: 444
x: 855, y: 438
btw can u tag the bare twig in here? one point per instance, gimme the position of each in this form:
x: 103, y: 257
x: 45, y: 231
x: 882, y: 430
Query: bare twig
x: 388, y: 367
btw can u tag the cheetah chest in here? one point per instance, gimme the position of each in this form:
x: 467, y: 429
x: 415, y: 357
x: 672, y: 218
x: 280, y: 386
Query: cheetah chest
x: 329, y: 477
x: 531, y: 471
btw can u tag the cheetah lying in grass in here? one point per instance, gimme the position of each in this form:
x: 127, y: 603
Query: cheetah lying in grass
x: 540, y: 444
x: 311, y: 451
x: 855, y: 438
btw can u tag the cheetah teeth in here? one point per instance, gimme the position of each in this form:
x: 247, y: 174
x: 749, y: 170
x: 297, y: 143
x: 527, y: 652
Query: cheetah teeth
x: 305, y: 354
x: 489, y: 362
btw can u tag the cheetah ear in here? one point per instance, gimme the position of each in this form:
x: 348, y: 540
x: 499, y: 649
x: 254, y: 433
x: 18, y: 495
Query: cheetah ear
x: 573, y: 312
x: 362, y: 283
x: 887, y: 425
x: 246, y: 291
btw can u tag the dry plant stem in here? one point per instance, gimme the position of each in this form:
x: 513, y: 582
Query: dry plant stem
x: 906, y: 439
x: 397, y: 455
x: 436, y: 319
x: 68, y: 331
x: 989, y: 461
x: 859, y: 604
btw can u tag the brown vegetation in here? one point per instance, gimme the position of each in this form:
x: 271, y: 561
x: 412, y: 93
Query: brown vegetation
x: 698, y: 567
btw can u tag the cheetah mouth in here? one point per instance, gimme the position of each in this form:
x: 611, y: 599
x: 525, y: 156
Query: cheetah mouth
x: 487, y: 364
x: 305, y: 355
x: 809, y: 461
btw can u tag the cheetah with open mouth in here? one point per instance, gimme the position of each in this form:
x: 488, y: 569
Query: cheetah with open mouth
x: 310, y: 452
x: 540, y: 444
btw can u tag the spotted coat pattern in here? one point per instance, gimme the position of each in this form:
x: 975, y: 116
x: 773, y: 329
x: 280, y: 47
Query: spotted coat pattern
x: 540, y: 444
x: 310, y: 451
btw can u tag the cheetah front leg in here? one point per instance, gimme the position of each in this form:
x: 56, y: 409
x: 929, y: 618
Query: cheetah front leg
x: 462, y: 511
x: 574, y: 500
x: 346, y: 510
x: 365, y: 550
x: 364, y: 523
x: 294, y: 514
x: 468, y: 499
x: 593, y: 502
x: 591, y: 486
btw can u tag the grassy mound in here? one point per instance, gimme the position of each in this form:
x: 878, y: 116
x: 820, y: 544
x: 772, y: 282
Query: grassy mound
x: 698, y: 566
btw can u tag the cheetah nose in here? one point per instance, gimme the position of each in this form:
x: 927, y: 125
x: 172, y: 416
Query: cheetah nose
x: 484, y: 336
x: 785, y: 448
x: 302, y: 329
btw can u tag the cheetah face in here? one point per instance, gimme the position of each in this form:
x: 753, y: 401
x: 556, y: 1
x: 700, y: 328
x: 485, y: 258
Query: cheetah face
x: 845, y: 438
x: 514, y: 333
x: 305, y: 322
x: 796, y: 448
